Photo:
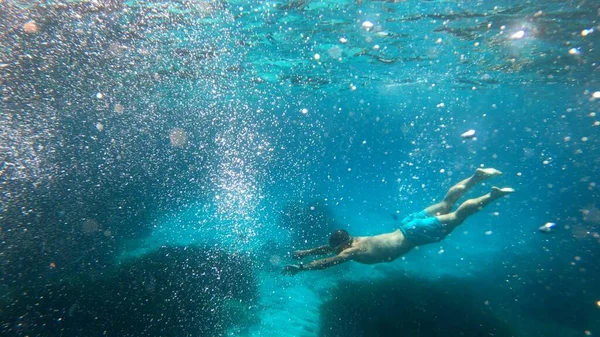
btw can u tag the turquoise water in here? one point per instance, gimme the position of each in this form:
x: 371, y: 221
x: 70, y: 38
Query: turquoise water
x: 160, y: 161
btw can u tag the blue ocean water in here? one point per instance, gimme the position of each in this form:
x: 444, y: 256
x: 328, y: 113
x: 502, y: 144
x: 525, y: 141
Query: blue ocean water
x: 162, y: 159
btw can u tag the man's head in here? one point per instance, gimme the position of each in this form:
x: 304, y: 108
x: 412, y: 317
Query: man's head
x: 339, y: 239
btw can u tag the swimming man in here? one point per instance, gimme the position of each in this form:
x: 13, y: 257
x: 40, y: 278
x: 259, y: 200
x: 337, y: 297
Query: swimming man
x: 428, y: 226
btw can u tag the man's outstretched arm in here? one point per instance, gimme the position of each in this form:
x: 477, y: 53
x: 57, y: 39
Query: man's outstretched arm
x: 314, y: 251
x: 293, y: 269
x: 326, y: 262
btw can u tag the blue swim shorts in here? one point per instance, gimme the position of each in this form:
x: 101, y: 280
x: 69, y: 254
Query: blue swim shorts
x: 421, y: 229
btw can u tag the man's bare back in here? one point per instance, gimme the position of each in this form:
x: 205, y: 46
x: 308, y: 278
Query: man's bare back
x: 428, y: 226
x: 379, y: 248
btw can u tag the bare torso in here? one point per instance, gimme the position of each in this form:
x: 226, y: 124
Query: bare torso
x: 379, y: 248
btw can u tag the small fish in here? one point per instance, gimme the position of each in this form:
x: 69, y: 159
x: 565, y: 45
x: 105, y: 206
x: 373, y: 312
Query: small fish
x: 468, y: 134
x: 547, y: 228
x: 384, y: 33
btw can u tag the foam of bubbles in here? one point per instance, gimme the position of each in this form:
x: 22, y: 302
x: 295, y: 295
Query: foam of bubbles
x: 26, y: 147
x: 119, y: 109
x: 178, y: 137
x: 90, y: 226
x: 30, y: 27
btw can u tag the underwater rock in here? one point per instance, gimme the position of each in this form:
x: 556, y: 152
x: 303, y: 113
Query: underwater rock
x: 405, y: 306
x: 175, y: 291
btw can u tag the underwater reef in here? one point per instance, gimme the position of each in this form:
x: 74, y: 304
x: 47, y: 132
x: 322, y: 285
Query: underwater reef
x: 408, y: 307
x: 174, y: 291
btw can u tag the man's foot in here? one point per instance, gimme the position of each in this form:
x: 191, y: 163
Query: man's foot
x: 500, y: 192
x: 484, y: 173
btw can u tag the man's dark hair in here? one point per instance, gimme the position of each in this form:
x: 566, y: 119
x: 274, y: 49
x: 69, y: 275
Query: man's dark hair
x: 339, y: 237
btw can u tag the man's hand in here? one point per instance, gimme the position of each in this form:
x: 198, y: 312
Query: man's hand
x: 292, y: 269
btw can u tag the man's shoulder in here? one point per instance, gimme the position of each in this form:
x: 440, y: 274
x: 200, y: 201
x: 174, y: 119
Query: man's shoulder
x: 359, y: 243
x: 358, y: 240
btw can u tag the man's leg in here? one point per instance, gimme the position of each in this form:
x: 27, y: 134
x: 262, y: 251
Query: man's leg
x: 471, y: 207
x: 457, y: 191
